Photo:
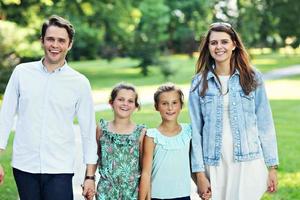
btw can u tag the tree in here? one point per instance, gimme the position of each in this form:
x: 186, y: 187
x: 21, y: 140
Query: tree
x: 189, y: 19
x: 150, y: 35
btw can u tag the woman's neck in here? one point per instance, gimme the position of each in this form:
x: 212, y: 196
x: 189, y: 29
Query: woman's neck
x: 222, y: 69
x: 169, y: 128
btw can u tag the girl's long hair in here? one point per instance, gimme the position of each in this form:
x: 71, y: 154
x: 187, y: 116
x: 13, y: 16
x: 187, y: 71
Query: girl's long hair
x: 239, y: 60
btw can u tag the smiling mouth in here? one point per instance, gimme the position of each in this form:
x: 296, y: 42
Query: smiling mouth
x: 220, y: 53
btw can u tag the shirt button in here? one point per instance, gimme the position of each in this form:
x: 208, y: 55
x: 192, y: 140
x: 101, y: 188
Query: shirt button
x: 233, y: 103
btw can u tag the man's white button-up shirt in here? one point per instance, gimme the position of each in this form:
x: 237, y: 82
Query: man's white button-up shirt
x: 46, y: 104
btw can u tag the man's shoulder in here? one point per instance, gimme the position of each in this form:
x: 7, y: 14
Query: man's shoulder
x: 27, y: 66
x: 80, y: 78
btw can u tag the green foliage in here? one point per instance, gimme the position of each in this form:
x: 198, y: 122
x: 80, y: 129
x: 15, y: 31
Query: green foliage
x: 14, y: 44
x: 166, y: 69
x: 150, y: 35
x: 189, y: 19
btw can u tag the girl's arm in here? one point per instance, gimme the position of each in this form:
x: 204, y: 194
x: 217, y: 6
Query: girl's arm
x: 141, y: 146
x: 98, y: 136
x: 145, y: 182
x: 203, y: 186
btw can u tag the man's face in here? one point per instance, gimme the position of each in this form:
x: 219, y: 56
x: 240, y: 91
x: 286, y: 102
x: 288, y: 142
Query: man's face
x: 56, y: 45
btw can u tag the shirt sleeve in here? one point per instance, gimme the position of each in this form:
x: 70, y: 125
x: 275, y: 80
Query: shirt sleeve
x: 266, y: 129
x: 197, y: 123
x: 9, y: 108
x: 86, y: 118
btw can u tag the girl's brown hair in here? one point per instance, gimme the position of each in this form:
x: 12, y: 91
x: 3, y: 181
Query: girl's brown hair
x: 126, y: 86
x: 167, y: 87
x: 239, y: 59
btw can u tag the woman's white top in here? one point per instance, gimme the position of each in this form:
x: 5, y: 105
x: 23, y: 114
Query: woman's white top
x: 235, y: 180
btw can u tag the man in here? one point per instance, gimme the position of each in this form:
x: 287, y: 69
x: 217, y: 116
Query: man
x: 47, y: 95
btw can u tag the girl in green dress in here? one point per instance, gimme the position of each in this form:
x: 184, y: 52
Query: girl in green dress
x: 120, y: 144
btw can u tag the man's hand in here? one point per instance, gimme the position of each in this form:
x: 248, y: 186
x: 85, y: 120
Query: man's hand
x: 1, y: 175
x: 88, y: 189
x: 1, y: 170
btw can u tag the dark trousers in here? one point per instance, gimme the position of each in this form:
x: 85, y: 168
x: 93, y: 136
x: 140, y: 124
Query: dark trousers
x: 43, y: 186
x: 180, y: 198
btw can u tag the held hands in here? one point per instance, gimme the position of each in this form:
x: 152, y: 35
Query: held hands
x: 88, y: 189
x: 203, y: 185
x: 272, y: 180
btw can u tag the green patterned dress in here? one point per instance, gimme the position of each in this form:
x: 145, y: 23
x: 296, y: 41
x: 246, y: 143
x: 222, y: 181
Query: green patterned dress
x: 119, y: 165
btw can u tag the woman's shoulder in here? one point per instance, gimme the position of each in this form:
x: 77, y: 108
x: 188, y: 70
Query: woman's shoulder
x: 196, y: 82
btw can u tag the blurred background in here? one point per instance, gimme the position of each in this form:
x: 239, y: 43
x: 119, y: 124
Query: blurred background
x: 148, y: 42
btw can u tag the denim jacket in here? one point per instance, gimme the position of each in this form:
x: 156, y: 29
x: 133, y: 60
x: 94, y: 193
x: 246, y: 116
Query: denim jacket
x: 250, y: 120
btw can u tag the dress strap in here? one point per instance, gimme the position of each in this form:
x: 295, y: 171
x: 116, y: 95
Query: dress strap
x: 138, y: 130
x: 103, y: 125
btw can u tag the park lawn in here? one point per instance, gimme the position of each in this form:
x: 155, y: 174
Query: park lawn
x: 287, y: 126
x: 8, y: 190
x: 103, y: 74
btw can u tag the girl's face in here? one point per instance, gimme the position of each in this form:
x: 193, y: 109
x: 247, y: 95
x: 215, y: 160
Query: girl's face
x: 220, y: 47
x: 124, y: 103
x: 169, y: 105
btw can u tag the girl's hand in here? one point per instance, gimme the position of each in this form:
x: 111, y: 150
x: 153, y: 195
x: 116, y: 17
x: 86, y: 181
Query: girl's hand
x: 203, y: 185
x: 88, y: 189
x: 272, y: 180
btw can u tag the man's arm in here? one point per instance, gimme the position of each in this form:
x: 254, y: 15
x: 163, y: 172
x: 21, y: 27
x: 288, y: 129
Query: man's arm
x: 9, y: 108
x: 88, y: 185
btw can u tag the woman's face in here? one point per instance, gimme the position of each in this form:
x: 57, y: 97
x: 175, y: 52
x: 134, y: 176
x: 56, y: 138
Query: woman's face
x: 220, y: 47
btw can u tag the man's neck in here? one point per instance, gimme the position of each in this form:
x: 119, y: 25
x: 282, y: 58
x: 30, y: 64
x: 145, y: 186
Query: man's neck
x: 51, y: 67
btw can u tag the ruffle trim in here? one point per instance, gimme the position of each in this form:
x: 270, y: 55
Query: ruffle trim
x: 171, y: 143
x: 121, y: 139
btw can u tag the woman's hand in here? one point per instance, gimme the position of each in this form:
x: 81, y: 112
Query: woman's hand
x: 272, y: 180
x: 203, y: 185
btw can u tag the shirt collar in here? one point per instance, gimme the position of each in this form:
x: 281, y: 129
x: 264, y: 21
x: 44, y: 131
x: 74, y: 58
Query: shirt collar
x: 210, y: 74
x: 44, y: 69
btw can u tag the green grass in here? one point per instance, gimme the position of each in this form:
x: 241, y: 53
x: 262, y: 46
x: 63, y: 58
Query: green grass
x: 8, y: 190
x: 287, y: 126
x: 273, y: 61
x: 103, y: 74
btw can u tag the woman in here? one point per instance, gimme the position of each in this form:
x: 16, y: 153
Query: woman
x: 234, y: 148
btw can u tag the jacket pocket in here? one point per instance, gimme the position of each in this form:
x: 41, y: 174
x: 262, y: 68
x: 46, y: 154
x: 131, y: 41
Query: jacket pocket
x: 247, y: 102
x: 206, y: 105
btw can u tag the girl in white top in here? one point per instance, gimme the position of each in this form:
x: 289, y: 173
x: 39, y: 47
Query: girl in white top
x: 166, y: 163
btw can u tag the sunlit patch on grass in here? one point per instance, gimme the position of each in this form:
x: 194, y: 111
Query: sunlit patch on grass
x: 283, y: 89
x: 265, y: 61
x: 289, y: 180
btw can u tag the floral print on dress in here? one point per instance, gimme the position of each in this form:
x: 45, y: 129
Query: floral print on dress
x: 119, y: 165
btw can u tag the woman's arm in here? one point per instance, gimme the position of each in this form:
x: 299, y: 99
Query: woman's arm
x: 145, y: 182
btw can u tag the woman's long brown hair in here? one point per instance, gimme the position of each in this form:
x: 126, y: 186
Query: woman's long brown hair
x: 239, y: 60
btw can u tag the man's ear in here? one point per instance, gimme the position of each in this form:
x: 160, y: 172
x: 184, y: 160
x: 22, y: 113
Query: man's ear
x: 70, y: 46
